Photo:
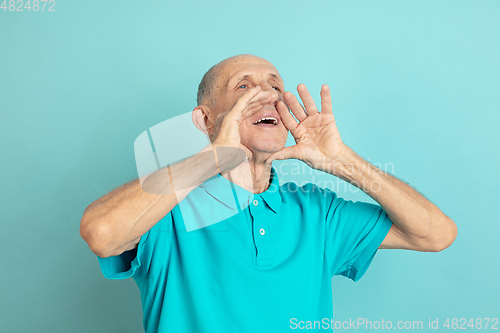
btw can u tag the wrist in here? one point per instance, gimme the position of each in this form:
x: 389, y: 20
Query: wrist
x: 227, y: 157
x: 352, y: 168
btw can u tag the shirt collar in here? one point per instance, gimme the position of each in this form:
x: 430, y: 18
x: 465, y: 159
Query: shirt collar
x: 235, y: 196
x: 272, y: 195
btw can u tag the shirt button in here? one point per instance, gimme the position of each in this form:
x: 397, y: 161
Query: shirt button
x: 255, y: 202
x: 262, y: 231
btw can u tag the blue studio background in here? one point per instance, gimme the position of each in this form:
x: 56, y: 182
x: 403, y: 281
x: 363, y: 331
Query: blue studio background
x: 415, y: 85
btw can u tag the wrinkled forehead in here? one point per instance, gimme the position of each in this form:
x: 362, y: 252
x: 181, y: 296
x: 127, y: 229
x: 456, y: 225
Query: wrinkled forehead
x: 234, y: 68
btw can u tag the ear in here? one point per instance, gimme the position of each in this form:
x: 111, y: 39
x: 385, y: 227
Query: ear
x: 201, y: 119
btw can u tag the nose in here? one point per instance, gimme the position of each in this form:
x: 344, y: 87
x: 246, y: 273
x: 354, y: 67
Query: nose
x: 274, y: 93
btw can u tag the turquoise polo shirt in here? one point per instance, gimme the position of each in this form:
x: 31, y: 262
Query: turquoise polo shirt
x: 228, y: 260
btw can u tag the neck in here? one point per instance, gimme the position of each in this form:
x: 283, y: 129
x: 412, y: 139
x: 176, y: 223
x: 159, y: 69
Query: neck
x: 252, y: 175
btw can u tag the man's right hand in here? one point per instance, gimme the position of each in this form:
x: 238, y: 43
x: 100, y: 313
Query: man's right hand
x: 227, y: 127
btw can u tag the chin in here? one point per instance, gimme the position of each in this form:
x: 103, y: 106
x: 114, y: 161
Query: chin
x: 267, y: 147
x: 265, y: 143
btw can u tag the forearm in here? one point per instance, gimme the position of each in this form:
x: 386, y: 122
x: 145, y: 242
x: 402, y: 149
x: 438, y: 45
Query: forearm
x: 116, y: 221
x: 420, y: 221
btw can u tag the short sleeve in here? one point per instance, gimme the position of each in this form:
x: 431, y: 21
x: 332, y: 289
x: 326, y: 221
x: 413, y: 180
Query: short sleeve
x: 141, y: 262
x: 126, y: 264
x: 354, y: 231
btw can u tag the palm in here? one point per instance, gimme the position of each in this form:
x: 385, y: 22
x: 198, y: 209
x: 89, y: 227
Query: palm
x: 317, y: 138
x: 316, y: 135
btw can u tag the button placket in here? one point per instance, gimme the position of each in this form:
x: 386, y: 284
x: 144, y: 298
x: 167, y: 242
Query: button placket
x: 261, y: 215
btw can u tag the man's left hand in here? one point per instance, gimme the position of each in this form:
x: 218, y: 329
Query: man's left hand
x: 317, y: 138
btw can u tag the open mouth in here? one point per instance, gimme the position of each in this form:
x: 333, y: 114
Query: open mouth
x: 267, y: 121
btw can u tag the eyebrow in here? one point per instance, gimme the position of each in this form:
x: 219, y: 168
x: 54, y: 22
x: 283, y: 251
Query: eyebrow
x: 247, y: 76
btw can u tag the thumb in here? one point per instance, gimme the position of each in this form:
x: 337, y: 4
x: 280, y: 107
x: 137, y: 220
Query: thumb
x: 283, y: 154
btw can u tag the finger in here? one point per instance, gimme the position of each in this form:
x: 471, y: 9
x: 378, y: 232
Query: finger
x: 254, y: 107
x: 284, y: 154
x: 240, y: 108
x: 307, y: 99
x: 244, y: 100
x: 326, y: 99
x: 294, y: 105
x: 262, y: 98
x: 262, y: 95
x: 257, y: 102
x: 286, y: 117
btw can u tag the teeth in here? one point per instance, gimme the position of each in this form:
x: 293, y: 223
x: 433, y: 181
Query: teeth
x: 275, y: 121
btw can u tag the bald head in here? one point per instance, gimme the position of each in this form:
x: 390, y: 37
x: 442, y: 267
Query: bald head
x: 206, y: 93
x: 210, y: 83
x: 221, y: 88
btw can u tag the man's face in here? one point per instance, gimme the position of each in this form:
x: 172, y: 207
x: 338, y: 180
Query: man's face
x: 236, y: 76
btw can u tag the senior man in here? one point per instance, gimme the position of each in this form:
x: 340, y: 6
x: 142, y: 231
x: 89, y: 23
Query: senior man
x: 272, y: 261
